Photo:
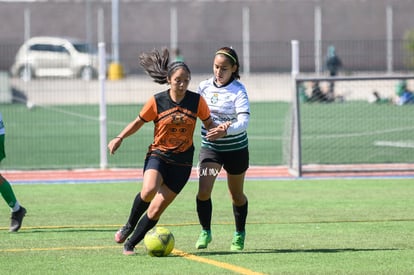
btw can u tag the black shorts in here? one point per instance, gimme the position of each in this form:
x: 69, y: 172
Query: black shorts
x: 234, y: 162
x: 174, y: 176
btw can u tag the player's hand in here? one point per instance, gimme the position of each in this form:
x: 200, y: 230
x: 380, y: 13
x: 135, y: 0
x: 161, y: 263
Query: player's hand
x: 114, y: 144
x: 218, y: 132
x: 225, y: 125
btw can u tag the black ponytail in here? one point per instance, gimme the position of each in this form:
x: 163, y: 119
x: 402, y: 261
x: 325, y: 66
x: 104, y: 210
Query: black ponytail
x: 157, y: 66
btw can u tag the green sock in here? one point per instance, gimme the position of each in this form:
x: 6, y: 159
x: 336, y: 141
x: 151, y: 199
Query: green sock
x: 7, y: 192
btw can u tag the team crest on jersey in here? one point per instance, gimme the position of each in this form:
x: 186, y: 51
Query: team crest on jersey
x: 214, y: 99
x: 178, y: 119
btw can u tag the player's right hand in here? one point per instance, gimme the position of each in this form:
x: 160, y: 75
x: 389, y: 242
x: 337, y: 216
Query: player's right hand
x: 114, y: 144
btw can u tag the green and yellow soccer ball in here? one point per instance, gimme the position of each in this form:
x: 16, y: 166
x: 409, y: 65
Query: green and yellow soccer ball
x: 159, y: 242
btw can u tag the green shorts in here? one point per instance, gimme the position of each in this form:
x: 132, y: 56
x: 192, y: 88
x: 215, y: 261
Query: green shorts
x: 2, y: 152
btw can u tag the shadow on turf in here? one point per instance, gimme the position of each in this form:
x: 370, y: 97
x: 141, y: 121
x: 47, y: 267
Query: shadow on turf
x: 283, y: 251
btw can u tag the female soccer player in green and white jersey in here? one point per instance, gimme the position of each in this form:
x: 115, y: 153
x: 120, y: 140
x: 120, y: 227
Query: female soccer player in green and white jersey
x: 18, y: 211
x: 227, y: 99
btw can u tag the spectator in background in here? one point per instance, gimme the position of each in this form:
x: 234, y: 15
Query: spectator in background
x: 177, y: 55
x: 318, y: 95
x: 303, y: 96
x: 375, y: 97
x: 404, y: 96
x: 333, y: 64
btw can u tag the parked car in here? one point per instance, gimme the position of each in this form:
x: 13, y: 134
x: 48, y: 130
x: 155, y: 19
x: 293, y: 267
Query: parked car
x: 55, y: 57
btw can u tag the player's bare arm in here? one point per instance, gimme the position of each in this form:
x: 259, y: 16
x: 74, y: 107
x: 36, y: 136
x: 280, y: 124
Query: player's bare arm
x: 130, y: 129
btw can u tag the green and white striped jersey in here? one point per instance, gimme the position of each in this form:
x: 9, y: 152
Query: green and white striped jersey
x: 226, y: 103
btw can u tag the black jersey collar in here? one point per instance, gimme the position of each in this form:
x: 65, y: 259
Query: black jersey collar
x: 228, y: 82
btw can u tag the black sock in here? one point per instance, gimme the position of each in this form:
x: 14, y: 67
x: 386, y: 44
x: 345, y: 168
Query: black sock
x: 240, y: 215
x: 144, y: 225
x: 204, y: 211
x: 138, y: 208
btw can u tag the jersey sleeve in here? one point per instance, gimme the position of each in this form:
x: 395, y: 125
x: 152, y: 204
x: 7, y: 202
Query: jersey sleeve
x: 242, y: 103
x: 203, y: 110
x: 149, y: 111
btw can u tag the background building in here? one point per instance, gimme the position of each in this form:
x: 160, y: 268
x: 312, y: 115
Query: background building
x: 365, y: 32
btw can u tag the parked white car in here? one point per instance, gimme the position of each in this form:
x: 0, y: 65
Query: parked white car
x: 55, y: 57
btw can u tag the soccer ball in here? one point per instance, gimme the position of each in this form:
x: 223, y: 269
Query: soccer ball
x: 159, y: 242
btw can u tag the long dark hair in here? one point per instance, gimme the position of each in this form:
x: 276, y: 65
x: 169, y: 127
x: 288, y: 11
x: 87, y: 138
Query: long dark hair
x: 156, y: 65
x: 231, y: 55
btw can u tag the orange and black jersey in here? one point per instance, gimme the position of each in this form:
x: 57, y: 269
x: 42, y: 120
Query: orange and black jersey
x: 174, y: 125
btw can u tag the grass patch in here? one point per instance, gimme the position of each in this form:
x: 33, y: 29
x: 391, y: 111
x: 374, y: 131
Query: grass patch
x: 359, y: 226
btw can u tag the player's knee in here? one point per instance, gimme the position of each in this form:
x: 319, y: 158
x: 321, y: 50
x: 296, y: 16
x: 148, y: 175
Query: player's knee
x: 148, y: 195
x: 204, y: 191
x: 238, y: 199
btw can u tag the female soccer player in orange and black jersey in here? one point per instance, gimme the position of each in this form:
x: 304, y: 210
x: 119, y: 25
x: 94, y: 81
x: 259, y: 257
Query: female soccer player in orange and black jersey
x: 169, y: 159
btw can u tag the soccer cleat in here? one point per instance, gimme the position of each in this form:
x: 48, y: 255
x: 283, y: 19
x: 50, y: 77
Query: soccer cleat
x: 128, y: 250
x: 204, y: 239
x: 122, y: 234
x: 238, y: 241
x: 17, y: 219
